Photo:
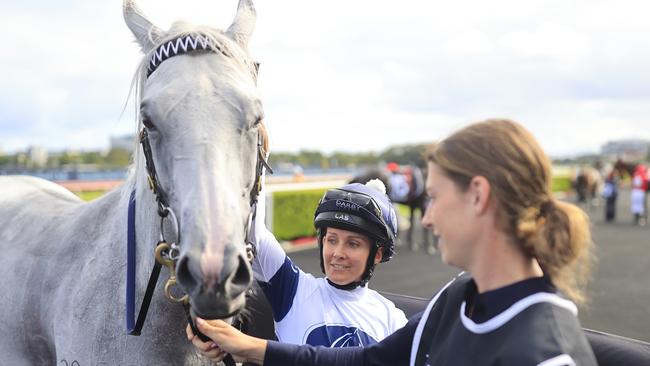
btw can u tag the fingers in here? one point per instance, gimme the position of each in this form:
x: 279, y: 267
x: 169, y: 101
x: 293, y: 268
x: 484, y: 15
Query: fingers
x: 189, y: 332
x: 231, y: 340
x: 212, y: 323
x: 203, y: 346
x: 215, y: 329
x: 208, y: 349
x: 215, y: 354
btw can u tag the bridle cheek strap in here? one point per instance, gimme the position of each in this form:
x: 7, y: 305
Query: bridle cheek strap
x: 135, y: 327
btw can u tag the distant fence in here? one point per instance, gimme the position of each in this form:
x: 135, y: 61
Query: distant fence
x: 290, y: 201
x: 77, y: 186
x: 274, y: 184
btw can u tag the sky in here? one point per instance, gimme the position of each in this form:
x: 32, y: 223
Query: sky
x: 343, y: 75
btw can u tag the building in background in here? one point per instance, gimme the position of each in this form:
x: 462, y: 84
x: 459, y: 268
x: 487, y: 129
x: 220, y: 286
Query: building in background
x: 37, y: 155
x: 123, y: 142
x: 630, y: 150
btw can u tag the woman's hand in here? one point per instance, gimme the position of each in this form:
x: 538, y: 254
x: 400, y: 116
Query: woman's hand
x: 208, y: 349
x: 227, y: 339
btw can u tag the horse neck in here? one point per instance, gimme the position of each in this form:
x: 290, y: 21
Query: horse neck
x: 624, y: 167
x: 631, y: 168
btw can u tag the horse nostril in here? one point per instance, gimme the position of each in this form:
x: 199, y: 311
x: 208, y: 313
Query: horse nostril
x: 184, y: 274
x: 242, y: 278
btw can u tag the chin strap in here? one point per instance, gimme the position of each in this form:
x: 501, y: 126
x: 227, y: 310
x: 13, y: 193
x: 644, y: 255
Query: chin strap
x: 349, y: 287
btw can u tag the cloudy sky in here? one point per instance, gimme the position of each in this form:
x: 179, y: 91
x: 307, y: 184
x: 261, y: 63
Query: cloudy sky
x: 348, y: 75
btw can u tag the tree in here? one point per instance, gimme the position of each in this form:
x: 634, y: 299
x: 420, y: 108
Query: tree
x: 118, y: 158
x: 277, y: 158
x: 405, y: 154
x: 342, y: 160
x: 311, y: 158
x: 92, y: 157
x: 69, y: 157
x: 6, y: 160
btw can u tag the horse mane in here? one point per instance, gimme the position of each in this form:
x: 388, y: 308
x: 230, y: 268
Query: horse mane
x: 220, y: 43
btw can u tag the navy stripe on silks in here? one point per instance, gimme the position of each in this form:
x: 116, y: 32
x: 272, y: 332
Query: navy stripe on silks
x: 281, y: 289
x: 130, y: 266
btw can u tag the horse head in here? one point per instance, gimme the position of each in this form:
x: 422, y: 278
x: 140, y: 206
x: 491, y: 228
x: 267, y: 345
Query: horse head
x: 200, y: 118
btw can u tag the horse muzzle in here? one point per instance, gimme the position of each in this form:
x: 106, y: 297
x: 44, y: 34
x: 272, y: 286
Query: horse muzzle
x: 215, y: 294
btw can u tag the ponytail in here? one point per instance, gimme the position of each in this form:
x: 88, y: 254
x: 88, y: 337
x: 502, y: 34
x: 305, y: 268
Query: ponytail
x: 558, y: 236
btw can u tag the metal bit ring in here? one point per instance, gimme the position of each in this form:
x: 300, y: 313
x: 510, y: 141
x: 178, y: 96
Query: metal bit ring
x: 169, y: 213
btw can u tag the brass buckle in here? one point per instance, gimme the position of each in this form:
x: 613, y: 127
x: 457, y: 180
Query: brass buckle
x: 161, y: 255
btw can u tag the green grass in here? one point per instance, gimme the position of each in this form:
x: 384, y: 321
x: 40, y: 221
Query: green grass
x: 89, y: 195
x: 403, y: 210
x: 293, y: 213
x: 561, y: 184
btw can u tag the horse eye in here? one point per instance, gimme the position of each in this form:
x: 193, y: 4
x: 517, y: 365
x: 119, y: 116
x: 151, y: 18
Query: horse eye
x: 148, y: 124
x: 258, y: 121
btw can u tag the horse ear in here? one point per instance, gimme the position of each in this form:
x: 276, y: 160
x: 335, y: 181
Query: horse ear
x: 242, y: 27
x: 144, y: 31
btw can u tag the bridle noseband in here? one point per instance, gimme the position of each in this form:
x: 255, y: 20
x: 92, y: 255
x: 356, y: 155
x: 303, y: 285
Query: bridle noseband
x: 167, y: 254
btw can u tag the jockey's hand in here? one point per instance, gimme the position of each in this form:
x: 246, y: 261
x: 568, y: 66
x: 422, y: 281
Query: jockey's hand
x: 231, y: 340
x: 208, y: 349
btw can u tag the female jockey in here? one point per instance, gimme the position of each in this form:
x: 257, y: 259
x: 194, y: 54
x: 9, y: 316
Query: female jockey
x: 356, y: 227
x: 523, y: 251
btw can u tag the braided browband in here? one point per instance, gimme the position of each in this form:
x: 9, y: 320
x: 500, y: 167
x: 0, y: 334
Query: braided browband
x: 179, y: 46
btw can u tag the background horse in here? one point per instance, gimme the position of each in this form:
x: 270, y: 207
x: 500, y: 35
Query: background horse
x: 405, y: 186
x: 64, y: 261
x: 624, y: 168
x: 587, y: 183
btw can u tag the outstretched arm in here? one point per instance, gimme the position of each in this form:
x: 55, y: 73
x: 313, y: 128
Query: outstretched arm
x: 228, y: 339
x: 393, y: 351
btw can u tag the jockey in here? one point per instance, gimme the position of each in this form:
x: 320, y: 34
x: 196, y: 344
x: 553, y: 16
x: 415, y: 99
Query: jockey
x: 399, y: 181
x: 357, y: 228
x: 406, y: 183
x: 364, y: 209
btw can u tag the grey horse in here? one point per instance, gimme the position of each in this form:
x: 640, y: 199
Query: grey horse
x: 64, y: 261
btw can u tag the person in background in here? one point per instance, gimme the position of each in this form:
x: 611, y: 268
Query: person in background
x: 399, y: 183
x: 638, y: 199
x: 610, y: 194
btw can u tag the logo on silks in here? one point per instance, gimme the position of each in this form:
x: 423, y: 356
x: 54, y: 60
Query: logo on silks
x: 338, y: 336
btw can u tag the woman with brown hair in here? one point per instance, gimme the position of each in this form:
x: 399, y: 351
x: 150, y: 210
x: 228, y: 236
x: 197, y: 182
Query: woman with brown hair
x: 526, y: 256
